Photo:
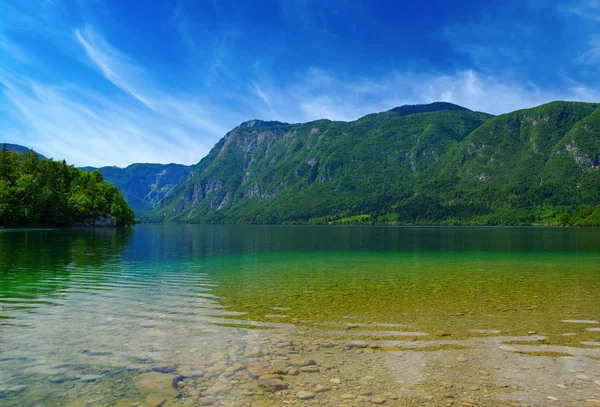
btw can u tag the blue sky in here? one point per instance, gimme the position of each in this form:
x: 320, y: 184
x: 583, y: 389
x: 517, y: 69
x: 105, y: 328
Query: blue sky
x: 102, y: 82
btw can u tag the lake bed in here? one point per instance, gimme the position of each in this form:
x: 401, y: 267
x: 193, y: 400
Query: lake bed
x: 180, y: 315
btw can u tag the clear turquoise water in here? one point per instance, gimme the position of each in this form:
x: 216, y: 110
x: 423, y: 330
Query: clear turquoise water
x: 110, y: 303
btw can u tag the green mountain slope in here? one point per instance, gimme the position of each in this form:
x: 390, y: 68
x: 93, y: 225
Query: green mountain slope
x: 518, y: 168
x: 145, y: 185
x: 422, y: 164
x: 270, y: 172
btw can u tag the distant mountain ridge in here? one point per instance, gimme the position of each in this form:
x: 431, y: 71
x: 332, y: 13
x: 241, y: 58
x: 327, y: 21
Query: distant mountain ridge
x: 145, y: 185
x: 19, y: 149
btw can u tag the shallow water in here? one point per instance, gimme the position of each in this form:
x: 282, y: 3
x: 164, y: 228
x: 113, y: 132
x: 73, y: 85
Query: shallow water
x: 403, y: 316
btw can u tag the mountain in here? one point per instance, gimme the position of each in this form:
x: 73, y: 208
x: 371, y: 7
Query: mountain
x: 19, y: 149
x: 423, y: 164
x: 145, y: 185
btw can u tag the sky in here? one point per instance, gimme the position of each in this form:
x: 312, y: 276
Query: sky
x: 103, y: 82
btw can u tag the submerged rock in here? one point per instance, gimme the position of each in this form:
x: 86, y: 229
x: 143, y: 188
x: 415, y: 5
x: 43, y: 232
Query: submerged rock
x: 155, y: 401
x: 305, y: 395
x: 272, y: 384
x: 156, y: 384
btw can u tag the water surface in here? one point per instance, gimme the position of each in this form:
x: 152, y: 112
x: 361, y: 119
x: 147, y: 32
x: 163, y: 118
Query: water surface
x: 84, y: 313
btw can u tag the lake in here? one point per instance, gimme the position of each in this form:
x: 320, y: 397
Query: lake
x: 182, y: 315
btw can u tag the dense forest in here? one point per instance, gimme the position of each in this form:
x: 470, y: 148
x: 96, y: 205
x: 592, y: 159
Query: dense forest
x: 36, y: 191
x: 423, y: 164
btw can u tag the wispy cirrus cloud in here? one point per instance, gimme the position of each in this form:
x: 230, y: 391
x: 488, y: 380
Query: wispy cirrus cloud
x: 130, y: 78
x: 320, y: 94
x: 91, y: 129
x: 587, y: 9
x: 145, y: 123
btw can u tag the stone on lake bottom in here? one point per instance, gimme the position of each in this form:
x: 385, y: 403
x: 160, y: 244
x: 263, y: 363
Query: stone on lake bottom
x: 305, y: 395
x: 89, y: 378
x: 273, y: 384
x: 155, y: 401
x: 580, y: 321
x: 357, y: 344
x: 164, y: 368
x: 552, y: 398
x: 302, y: 362
x: 158, y: 384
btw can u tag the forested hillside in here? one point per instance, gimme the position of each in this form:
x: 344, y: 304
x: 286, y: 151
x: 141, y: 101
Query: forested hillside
x: 145, y: 185
x: 422, y: 164
x: 37, y: 191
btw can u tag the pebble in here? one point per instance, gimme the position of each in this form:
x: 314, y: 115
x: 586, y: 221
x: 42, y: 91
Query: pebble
x: 155, y: 401
x: 190, y: 373
x: 335, y: 381
x: 164, y: 368
x: 310, y: 369
x: 305, y: 395
x: 302, y: 362
x: 257, y: 370
x: 358, y: 344
x: 270, y: 376
x: 89, y: 378
x: 580, y: 321
x: 378, y: 400
x: 562, y: 386
x: 319, y: 388
x: 272, y: 384
x: 484, y: 331
x: 583, y: 378
x: 158, y: 384
x: 508, y: 348
x: 347, y: 396
x: 552, y: 398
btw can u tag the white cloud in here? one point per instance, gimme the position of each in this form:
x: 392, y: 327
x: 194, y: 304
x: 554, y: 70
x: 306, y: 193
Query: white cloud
x: 320, y: 94
x: 587, y: 9
x: 591, y: 56
x: 89, y: 129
